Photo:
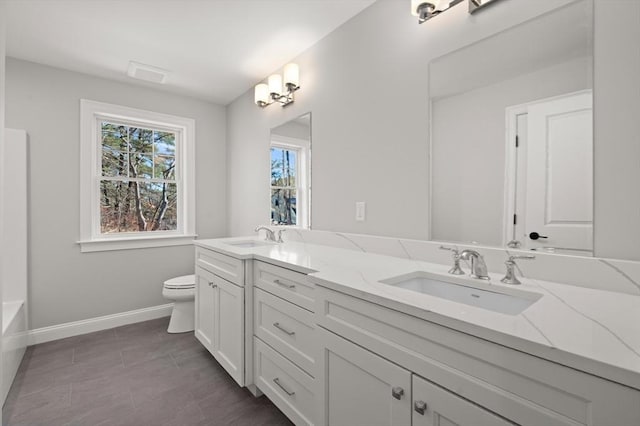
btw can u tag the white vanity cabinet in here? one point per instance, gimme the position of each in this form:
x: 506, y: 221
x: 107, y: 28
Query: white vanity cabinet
x: 436, y: 406
x: 370, y: 349
x: 205, y: 308
x: 362, y: 388
x: 219, y: 310
x: 285, y: 343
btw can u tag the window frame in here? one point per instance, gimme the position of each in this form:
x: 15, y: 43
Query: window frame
x: 92, y: 113
x: 303, y: 181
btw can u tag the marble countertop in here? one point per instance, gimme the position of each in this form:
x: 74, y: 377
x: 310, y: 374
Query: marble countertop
x: 591, y: 330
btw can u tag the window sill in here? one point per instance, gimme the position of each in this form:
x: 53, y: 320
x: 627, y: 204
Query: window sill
x: 109, y: 244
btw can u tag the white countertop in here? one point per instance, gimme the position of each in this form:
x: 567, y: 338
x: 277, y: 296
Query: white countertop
x: 595, y: 331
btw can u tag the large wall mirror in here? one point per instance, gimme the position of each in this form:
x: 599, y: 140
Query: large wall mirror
x: 511, y: 137
x: 291, y: 173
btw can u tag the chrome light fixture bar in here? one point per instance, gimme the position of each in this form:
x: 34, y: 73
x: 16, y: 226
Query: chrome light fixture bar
x: 426, y: 10
x: 475, y: 5
x: 274, y: 91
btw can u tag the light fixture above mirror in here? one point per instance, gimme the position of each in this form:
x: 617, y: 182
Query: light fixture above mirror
x: 426, y: 10
x: 275, y: 91
x: 475, y: 5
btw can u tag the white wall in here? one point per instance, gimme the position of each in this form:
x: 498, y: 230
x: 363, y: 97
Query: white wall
x: 617, y: 129
x: 293, y: 129
x: 469, y: 160
x: 66, y: 285
x: 366, y: 85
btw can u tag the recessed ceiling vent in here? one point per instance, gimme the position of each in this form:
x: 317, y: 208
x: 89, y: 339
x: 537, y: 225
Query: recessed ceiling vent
x: 147, y: 72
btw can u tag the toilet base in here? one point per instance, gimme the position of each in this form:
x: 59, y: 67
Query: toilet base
x: 183, y: 317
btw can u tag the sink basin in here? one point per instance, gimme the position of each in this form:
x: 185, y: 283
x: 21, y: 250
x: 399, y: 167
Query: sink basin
x: 463, y: 290
x: 248, y: 243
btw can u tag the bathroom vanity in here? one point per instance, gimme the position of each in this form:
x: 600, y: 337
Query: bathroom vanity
x: 220, y: 309
x: 331, y: 338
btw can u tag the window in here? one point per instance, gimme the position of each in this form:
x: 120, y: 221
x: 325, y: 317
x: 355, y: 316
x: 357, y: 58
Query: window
x: 137, y: 178
x: 289, y: 183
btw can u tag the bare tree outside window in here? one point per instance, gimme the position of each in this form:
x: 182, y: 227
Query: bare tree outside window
x: 284, y: 173
x: 138, y: 188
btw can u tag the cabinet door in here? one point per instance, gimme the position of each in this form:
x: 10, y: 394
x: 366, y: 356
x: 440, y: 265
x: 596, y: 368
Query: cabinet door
x: 435, y: 406
x: 205, y: 306
x: 360, y: 388
x: 228, y: 323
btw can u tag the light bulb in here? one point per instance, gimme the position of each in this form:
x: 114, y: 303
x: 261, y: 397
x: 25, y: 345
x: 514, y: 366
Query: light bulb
x: 275, y: 84
x: 261, y: 94
x: 292, y: 75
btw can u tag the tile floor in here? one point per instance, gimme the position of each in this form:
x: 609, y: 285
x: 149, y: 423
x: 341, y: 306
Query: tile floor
x: 134, y: 375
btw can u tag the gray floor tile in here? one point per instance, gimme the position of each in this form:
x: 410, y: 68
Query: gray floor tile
x: 133, y: 375
x: 50, y: 405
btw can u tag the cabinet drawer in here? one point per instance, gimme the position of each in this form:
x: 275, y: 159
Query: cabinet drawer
x: 287, y: 386
x: 227, y: 267
x: 289, y: 285
x: 287, y: 328
x: 523, y: 388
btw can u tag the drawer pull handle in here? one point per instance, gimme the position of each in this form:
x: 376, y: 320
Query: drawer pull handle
x: 212, y: 285
x: 277, y: 382
x: 281, y: 328
x: 397, y: 392
x: 284, y: 284
x: 420, y: 407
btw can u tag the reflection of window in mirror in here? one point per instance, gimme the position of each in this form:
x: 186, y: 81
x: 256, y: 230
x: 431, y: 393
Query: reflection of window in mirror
x: 289, y: 181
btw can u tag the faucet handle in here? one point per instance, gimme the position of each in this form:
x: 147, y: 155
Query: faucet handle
x: 453, y: 249
x: 514, y: 244
x: 280, y: 231
x: 510, y: 275
x: 455, y: 269
x: 522, y: 256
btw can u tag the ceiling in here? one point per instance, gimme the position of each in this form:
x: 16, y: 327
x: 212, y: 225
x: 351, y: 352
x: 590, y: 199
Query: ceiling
x: 213, y: 49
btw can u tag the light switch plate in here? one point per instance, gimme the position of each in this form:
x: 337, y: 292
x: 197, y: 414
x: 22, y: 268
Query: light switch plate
x: 360, y: 211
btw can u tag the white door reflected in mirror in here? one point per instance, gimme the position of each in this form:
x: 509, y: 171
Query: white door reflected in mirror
x: 551, y: 165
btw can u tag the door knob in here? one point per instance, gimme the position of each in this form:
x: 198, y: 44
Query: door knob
x: 534, y: 236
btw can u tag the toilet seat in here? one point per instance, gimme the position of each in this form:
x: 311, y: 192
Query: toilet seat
x: 184, y: 282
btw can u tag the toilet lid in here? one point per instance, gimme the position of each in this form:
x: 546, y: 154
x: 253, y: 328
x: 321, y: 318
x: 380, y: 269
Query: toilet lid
x: 185, y: 281
x: 179, y: 287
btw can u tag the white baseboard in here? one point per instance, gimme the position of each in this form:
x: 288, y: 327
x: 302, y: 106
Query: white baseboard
x: 61, y: 331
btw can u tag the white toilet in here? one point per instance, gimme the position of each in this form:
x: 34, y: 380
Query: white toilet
x: 182, y: 290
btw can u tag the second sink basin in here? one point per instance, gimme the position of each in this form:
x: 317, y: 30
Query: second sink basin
x: 248, y: 243
x: 462, y: 290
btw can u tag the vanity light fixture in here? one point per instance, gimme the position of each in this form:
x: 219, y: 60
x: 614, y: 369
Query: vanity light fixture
x: 426, y: 10
x: 274, y: 91
x: 476, y: 5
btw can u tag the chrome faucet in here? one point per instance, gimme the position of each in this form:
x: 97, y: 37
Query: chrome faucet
x: 510, y: 276
x: 270, y: 236
x: 478, y: 267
